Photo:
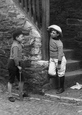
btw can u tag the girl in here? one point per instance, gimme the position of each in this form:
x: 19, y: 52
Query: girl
x: 57, y: 63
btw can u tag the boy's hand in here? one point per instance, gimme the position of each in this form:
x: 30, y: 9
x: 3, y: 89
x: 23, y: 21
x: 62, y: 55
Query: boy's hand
x: 58, y: 66
x: 19, y: 67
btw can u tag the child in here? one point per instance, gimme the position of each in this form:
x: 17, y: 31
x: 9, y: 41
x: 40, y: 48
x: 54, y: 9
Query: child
x: 14, y: 64
x: 57, y: 63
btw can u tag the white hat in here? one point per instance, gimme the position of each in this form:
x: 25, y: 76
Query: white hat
x: 57, y: 28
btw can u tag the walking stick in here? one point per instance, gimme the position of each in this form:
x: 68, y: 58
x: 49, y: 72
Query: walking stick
x: 20, y: 87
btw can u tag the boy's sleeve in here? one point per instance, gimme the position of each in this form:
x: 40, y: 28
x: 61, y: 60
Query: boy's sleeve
x: 15, y: 55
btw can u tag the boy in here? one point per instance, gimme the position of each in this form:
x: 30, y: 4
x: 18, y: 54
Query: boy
x: 14, y: 64
x: 57, y: 63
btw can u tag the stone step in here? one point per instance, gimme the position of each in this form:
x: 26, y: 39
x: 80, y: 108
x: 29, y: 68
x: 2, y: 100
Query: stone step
x: 73, y: 65
x: 73, y: 77
x: 69, y: 53
x: 74, y: 73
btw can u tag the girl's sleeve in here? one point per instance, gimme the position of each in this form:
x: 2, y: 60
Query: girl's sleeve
x: 15, y: 55
x: 60, y: 52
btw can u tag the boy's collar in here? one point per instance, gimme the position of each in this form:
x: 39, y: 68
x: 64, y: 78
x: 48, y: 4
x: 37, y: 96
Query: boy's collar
x: 17, y: 41
x: 55, y: 38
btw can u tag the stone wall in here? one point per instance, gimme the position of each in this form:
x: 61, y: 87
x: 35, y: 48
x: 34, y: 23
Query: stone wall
x: 60, y: 12
x: 11, y: 18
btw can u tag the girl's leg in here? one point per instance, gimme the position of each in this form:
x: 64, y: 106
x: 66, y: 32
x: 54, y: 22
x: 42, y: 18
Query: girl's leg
x: 61, y: 85
x: 62, y: 79
x: 54, y: 74
x: 61, y: 75
x: 56, y: 82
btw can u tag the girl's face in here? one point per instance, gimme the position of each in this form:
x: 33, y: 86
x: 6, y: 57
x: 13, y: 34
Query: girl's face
x: 20, y: 38
x: 54, y: 34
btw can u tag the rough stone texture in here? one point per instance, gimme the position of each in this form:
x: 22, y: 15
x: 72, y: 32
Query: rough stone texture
x: 12, y: 18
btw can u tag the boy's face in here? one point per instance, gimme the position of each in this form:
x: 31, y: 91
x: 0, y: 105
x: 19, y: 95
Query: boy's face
x: 54, y: 34
x: 20, y: 38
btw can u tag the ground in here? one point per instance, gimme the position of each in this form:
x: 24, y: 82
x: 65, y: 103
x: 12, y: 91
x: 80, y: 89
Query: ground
x: 36, y: 104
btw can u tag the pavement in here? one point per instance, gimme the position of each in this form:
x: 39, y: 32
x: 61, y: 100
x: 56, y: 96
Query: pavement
x: 67, y: 103
x: 39, y: 105
x: 72, y: 96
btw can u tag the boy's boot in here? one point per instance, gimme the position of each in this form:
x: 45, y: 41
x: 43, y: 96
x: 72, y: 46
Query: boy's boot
x: 61, y: 85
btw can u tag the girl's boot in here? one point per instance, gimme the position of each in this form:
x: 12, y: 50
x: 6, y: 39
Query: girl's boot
x: 61, y: 85
x: 56, y: 82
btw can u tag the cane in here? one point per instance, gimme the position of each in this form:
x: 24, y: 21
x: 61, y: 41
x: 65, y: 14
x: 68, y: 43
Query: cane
x: 20, y: 87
